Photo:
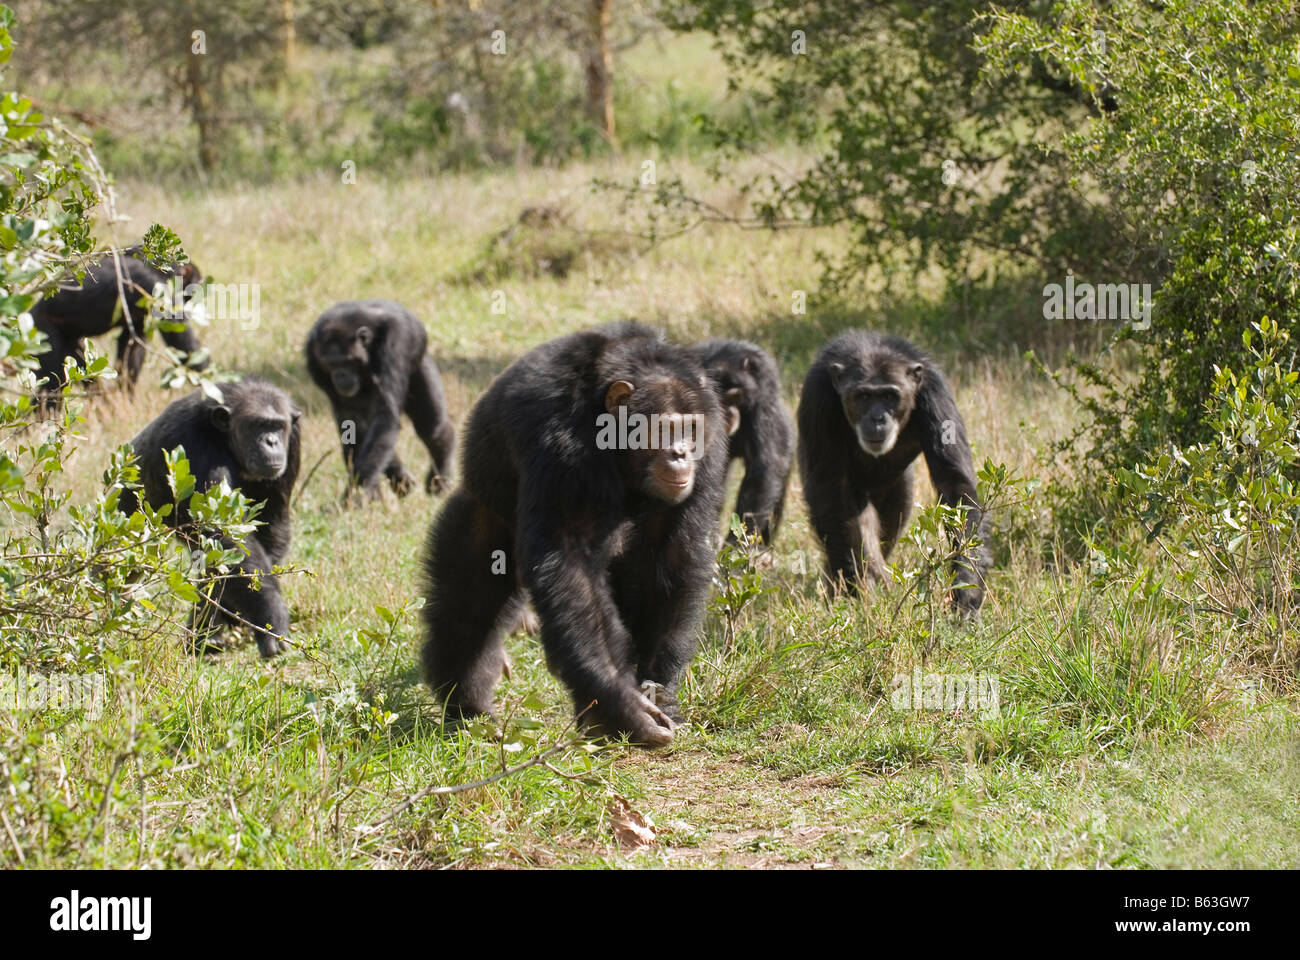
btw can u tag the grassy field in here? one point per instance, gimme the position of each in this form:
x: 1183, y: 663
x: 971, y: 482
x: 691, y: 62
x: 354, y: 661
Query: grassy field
x: 1125, y: 735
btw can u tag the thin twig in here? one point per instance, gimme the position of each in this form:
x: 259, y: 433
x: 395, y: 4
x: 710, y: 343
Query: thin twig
x: 12, y: 839
x: 537, y: 761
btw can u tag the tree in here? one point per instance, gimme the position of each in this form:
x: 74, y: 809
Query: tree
x: 196, y: 46
x: 925, y: 162
x: 600, y: 70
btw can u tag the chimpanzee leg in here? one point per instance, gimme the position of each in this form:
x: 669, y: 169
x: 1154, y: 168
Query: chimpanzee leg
x: 474, y: 587
x: 659, y: 589
x: 253, y: 595
x: 130, y: 353
x: 427, y: 408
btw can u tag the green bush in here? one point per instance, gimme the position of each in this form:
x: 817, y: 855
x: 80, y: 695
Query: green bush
x: 1226, y: 512
x: 85, y: 590
x: 1198, y: 164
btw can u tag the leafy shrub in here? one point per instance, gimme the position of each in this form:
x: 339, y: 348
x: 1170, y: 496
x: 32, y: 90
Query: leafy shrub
x: 84, y: 588
x: 1226, y: 512
x: 1198, y: 165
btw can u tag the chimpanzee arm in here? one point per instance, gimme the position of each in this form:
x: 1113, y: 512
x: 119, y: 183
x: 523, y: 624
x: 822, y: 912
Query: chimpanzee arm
x: 948, y: 457
x: 836, y: 516
x: 565, y: 542
x: 767, y: 448
x: 396, y: 352
x: 825, y: 444
x: 660, y: 586
x: 264, y: 607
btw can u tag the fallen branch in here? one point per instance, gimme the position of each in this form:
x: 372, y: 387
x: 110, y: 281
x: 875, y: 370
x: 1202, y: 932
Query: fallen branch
x: 537, y: 761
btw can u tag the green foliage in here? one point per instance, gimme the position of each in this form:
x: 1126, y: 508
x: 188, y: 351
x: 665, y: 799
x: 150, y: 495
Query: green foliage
x: 737, y: 581
x: 84, y: 588
x: 939, y: 536
x: 379, y: 82
x: 1198, y: 164
x: 1226, y: 512
x: 924, y: 164
x: 162, y: 247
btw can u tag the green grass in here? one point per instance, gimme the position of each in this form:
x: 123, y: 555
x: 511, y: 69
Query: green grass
x: 1123, y: 738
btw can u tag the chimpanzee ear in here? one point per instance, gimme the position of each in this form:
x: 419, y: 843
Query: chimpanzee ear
x: 747, y: 363
x: 221, y: 417
x: 917, y: 372
x: 365, y: 335
x: 295, y: 415
x: 733, y: 421
x: 617, y: 394
x: 837, y: 371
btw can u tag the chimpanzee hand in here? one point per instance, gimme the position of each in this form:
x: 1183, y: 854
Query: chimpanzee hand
x: 632, y: 713
x: 268, y: 646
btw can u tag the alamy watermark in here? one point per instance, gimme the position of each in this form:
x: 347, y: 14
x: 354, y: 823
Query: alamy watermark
x: 1130, y: 302
x: 636, y: 431
x: 54, y: 691
x: 205, y: 302
x: 946, y: 692
x: 76, y: 914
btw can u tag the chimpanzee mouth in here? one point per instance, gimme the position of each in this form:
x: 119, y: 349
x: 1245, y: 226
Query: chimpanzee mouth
x: 347, y: 384
x: 877, y: 444
x: 265, y: 468
x: 676, y: 490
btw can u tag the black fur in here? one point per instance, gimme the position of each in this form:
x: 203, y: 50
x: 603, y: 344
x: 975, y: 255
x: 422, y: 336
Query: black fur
x: 858, y: 502
x: 73, y: 313
x: 748, y: 379
x: 392, y: 372
x: 238, y: 447
x: 618, y: 578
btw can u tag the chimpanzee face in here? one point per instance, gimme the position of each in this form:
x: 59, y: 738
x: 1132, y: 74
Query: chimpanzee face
x: 258, y: 429
x: 737, y: 388
x: 345, y: 354
x: 878, y: 400
x: 666, y: 469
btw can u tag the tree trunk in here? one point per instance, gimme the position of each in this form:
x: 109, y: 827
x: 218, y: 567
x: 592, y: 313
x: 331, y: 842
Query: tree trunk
x: 290, y: 35
x: 200, y: 103
x: 600, y: 70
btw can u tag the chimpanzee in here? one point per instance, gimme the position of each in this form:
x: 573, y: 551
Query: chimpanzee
x: 762, y: 431
x: 94, y: 308
x: 249, y: 439
x: 371, y: 358
x: 871, y: 404
x: 607, y: 524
